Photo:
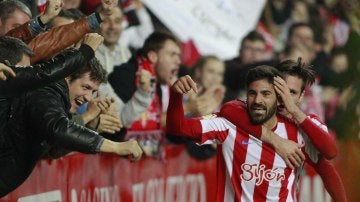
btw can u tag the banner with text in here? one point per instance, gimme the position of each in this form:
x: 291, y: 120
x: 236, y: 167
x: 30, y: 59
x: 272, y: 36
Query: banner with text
x: 215, y: 26
x: 108, y: 178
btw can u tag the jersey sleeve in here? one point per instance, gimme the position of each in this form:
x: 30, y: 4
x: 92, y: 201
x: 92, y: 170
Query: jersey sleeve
x: 206, y: 130
x: 235, y: 111
x: 317, y: 133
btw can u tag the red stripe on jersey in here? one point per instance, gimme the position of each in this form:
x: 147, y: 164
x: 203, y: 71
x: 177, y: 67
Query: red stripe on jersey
x: 292, y: 134
x: 221, y: 175
x: 284, y: 192
x: 291, y: 130
x: 240, y: 151
x: 267, y: 159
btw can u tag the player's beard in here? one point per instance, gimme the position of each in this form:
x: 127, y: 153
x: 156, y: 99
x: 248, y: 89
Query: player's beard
x: 261, y: 118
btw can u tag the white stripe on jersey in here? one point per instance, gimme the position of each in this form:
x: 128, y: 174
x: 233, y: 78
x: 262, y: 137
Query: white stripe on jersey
x: 274, y: 187
x: 229, y: 193
x: 215, y: 124
x: 289, y: 187
x: 248, y: 187
x: 252, y: 173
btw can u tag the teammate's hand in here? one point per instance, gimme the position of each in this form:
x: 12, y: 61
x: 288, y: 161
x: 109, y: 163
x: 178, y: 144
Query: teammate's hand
x: 287, y: 100
x: 283, y: 90
x: 5, y: 69
x: 184, y: 84
x: 288, y: 150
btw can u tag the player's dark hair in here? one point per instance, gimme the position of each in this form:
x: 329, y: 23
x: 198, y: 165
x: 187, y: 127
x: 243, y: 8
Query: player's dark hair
x: 262, y: 72
x: 298, y: 69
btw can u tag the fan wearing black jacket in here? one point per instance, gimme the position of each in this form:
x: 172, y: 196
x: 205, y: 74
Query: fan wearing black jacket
x: 20, y: 147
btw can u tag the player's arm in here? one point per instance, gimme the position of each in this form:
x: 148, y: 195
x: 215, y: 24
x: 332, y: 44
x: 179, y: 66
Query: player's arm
x: 192, y: 128
x: 290, y: 151
x: 313, y: 128
x: 319, y: 136
x: 330, y: 178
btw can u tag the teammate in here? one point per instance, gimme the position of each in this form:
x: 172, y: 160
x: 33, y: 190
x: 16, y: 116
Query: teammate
x: 248, y: 170
x: 320, y: 146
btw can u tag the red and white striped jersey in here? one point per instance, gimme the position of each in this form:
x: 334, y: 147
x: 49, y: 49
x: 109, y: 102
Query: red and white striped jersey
x: 310, y: 149
x: 248, y: 169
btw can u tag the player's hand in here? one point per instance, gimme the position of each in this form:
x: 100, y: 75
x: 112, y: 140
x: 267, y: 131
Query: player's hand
x: 287, y: 100
x: 184, y: 84
x: 289, y: 151
x: 53, y: 8
x: 5, y: 70
x: 93, y: 40
x: 283, y: 90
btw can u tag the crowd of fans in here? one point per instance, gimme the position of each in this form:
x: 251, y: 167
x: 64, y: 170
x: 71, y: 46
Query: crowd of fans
x: 131, y: 101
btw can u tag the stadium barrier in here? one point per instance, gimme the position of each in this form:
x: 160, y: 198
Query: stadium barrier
x: 108, y: 178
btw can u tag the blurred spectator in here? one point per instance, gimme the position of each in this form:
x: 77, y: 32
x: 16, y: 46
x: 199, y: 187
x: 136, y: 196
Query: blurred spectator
x: 130, y: 110
x: 338, y: 67
x: 112, y: 52
x: 303, y: 34
x: 68, y: 4
x: 333, y: 82
x: 252, y: 51
x: 46, y: 45
x: 135, y: 21
x: 135, y: 35
x: 209, y: 75
x: 66, y: 17
x: 159, y: 56
x: 12, y: 14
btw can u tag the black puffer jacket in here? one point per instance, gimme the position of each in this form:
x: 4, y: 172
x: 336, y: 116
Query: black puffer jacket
x: 20, y: 146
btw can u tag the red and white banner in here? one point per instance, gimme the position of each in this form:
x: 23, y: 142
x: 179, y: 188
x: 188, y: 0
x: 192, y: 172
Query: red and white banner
x: 215, y: 26
x: 94, y: 178
x: 108, y: 178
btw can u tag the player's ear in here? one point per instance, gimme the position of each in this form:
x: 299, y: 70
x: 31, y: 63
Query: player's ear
x: 152, y: 56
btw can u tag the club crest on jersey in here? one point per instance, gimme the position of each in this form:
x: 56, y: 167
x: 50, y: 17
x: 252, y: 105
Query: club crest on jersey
x: 209, y: 116
x: 259, y: 173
